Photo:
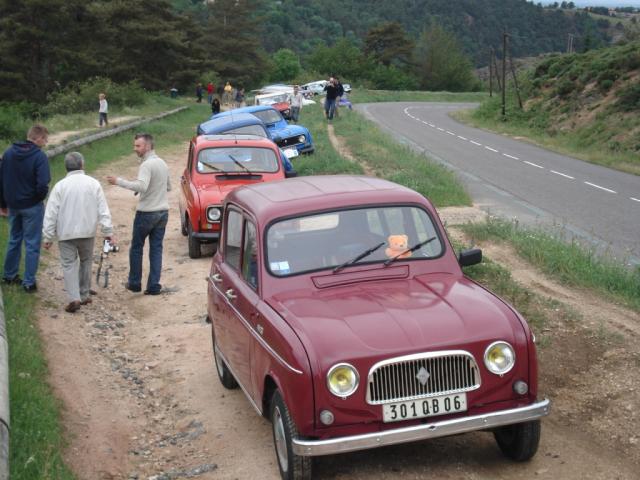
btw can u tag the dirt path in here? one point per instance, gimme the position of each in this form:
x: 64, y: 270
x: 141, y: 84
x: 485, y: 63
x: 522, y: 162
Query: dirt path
x: 61, y: 137
x: 142, y: 400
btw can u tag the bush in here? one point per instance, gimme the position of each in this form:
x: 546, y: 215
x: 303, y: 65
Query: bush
x: 83, y: 97
x: 629, y: 98
x: 15, y: 120
x: 565, y: 87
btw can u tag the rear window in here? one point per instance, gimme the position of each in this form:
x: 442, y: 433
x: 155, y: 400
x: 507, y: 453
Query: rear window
x: 237, y: 160
x: 268, y: 116
x: 249, y: 130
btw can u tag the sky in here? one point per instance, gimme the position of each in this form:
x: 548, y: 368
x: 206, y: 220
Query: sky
x: 598, y: 3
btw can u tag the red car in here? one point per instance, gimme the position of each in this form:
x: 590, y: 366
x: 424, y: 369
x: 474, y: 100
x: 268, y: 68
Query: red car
x: 339, y: 306
x: 216, y: 165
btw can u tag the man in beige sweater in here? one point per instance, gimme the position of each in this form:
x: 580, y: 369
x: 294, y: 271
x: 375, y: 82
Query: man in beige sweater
x: 152, y: 214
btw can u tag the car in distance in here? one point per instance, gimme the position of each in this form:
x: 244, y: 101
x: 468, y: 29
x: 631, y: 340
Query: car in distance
x: 339, y: 306
x: 293, y: 139
x: 217, y: 164
x: 315, y: 88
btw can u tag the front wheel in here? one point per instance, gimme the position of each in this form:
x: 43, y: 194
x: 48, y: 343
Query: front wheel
x: 194, y: 244
x: 520, y: 441
x: 292, y: 467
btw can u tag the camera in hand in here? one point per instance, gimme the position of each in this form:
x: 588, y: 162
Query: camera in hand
x: 107, y: 247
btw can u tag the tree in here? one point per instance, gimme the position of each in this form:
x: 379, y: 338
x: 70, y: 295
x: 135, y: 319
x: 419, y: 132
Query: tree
x: 442, y: 65
x: 388, y: 44
x: 343, y: 59
x: 286, y: 65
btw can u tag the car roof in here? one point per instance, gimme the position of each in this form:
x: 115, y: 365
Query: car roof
x: 233, y: 139
x: 315, y: 193
x: 219, y: 124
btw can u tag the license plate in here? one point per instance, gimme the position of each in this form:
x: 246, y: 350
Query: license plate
x: 291, y: 152
x: 426, y: 407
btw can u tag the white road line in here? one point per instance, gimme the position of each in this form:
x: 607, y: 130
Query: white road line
x: 563, y: 175
x: 441, y: 129
x: 461, y: 137
x: 635, y: 199
x: 492, y: 149
x: 431, y: 124
x: 533, y: 164
x: 450, y: 133
x: 510, y: 156
x: 426, y: 123
x: 476, y: 143
x: 601, y: 188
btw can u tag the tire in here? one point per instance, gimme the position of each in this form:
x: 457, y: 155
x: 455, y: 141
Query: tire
x: 194, y: 245
x: 224, y: 374
x: 183, y: 225
x: 520, y: 441
x: 292, y: 467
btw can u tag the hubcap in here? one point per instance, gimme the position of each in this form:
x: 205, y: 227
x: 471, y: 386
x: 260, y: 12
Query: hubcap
x: 280, y: 439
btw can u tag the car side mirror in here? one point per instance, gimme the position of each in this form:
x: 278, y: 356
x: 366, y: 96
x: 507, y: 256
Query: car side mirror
x: 290, y: 174
x: 473, y: 256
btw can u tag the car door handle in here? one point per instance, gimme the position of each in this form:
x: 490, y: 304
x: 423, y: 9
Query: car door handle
x: 216, y: 278
x: 231, y: 294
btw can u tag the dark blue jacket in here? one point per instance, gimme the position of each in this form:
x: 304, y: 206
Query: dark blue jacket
x: 24, y: 176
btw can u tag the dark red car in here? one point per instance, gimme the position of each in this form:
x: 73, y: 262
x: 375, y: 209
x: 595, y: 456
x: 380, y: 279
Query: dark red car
x: 339, y: 306
x: 216, y: 165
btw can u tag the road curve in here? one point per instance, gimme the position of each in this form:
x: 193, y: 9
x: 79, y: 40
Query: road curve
x: 516, y: 179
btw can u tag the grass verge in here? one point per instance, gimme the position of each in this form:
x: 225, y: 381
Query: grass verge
x: 570, y: 263
x: 372, y: 96
x: 36, y: 440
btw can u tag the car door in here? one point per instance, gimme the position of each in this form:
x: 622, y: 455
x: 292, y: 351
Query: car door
x: 189, y: 196
x: 234, y: 331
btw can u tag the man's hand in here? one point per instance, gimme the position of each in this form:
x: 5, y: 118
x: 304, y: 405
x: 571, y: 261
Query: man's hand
x: 112, y: 239
x: 111, y: 179
x: 46, y: 245
x: 4, y: 212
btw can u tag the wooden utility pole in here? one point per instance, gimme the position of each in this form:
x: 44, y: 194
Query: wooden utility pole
x: 515, y: 79
x: 494, y: 62
x: 504, y: 75
x: 570, y: 48
x: 491, y: 72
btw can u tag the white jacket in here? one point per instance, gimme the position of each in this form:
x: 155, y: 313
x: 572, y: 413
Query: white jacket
x: 75, y: 207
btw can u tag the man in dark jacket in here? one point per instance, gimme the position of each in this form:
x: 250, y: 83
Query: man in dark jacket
x: 24, y: 184
x: 330, y: 100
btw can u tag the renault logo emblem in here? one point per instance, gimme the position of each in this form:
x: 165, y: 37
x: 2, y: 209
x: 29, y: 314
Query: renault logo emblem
x: 423, y: 376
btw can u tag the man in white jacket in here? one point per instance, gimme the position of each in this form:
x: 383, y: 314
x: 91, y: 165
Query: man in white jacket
x: 75, y: 207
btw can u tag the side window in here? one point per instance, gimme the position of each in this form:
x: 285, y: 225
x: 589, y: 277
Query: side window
x: 233, y: 239
x: 250, y: 255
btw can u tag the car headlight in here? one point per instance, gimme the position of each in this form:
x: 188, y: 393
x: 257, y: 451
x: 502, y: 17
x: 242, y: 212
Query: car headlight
x: 302, y: 139
x: 214, y: 214
x: 499, y: 357
x: 342, y: 380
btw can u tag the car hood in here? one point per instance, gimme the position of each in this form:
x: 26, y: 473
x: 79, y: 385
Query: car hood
x: 289, y: 131
x: 395, y: 317
x: 215, y: 193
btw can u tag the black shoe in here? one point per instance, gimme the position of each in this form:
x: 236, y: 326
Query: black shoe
x: 154, y: 292
x: 92, y: 292
x: 132, y: 288
x: 30, y: 288
x: 12, y: 281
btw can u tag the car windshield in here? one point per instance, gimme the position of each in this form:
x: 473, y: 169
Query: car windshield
x: 248, y: 130
x: 237, y: 160
x: 268, y: 116
x: 339, y: 239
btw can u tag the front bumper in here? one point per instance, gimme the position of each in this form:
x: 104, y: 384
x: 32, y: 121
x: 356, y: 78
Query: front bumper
x: 206, y: 236
x: 313, y: 448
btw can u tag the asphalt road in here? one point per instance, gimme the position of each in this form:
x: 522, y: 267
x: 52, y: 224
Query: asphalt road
x: 515, y: 179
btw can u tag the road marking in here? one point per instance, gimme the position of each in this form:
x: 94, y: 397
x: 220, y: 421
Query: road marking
x: 510, y: 156
x: 563, y: 175
x: 431, y: 124
x: 601, y: 188
x: 476, y: 143
x: 450, y: 133
x: 533, y: 164
x: 461, y: 137
x: 635, y: 199
x: 492, y: 149
x: 426, y: 123
x: 441, y: 129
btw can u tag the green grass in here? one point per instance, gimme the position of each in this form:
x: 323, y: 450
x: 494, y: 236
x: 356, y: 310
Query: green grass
x: 569, y: 263
x: 36, y: 440
x: 372, y: 96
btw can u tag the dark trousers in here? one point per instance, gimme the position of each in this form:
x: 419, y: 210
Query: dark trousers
x: 152, y: 225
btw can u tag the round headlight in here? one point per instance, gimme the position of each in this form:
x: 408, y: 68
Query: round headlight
x: 499, y: 358
x: 302, y: 139
x: 342, y: 380
x: 213, y: 214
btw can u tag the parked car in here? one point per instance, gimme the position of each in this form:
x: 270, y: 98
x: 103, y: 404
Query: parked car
x: 245, y: 123
x: 339, y: 306
x: 346, y: 87
x: 316, y: 88
x: 293, y: 139
x: 278, y: 100
x: 217, y: 164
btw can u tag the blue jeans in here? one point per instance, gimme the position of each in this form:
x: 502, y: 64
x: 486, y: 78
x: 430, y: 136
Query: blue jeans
x: 25, y: 224
x: 329, y: 107
x: 152, y: 225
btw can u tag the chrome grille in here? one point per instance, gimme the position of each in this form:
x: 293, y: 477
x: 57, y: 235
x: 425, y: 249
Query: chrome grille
x: 288, y: 142
x: 422, y: 375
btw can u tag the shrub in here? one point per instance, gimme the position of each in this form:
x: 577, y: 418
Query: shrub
x: 565, y: 87
x: 629, y: 98
x: 15, y: 120
x: 605, y: 85
x: 83, y: 97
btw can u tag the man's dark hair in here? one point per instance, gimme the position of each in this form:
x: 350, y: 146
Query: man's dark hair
x: 148, y: 138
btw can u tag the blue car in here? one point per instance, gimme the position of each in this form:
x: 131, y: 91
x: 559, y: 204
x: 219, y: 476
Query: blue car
x: 245, y: 124
x: 285, y: 135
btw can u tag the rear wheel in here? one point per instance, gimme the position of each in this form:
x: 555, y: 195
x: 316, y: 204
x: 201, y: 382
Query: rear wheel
x: 292, y: 467
x: 224, y: 374
x: 520, y: 441
x: 194, y: 244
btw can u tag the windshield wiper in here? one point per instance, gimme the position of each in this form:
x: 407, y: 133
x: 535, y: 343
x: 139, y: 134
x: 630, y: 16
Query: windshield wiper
x: 410, y: 250
x: 212, y: 167
x: 240, y: 164
x: 364, y: 254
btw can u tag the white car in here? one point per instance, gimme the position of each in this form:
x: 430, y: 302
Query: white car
x: 346, y: 87
x: 315, y: 88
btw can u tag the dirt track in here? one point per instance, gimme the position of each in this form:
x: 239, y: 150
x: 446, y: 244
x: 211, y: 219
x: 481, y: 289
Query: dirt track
x: 142, y: 400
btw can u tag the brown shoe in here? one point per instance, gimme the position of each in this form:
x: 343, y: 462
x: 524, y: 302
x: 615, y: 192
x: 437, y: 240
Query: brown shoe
x: 72, y: 307
x: 86, y: 301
